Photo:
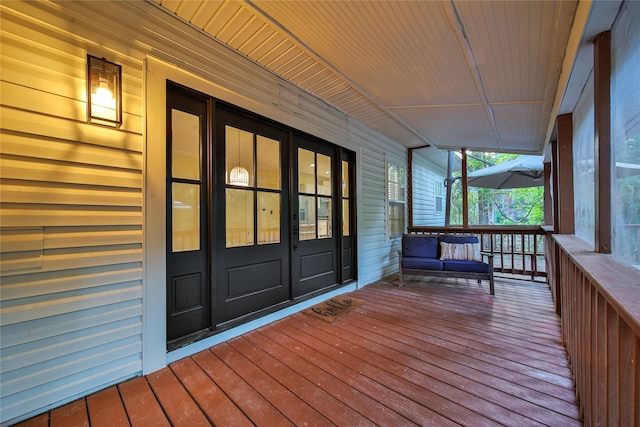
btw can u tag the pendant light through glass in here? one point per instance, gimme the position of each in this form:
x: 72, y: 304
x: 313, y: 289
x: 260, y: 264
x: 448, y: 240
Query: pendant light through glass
x: 239, y: 175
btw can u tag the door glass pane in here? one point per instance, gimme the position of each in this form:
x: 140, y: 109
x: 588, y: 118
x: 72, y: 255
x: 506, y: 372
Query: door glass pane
x: 185, y: 145
x: 268, y: 218
x: 324, y: 174
x: 306, y: 171
x: 239, y: 217
x: 345, y: 179
x: 239, y: 157
x: 345, y: 217
x: 268, y: 153
x: 324, y: 217
x: 185, y: 217
x: 307, y: 213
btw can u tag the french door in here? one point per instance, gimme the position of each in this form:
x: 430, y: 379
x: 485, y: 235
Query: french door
x: 315, y: 216
x: 258, y: 216
x: 252, y: 204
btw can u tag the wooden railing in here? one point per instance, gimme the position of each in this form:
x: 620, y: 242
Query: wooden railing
x: 600, y: 306
x: 516, y: 249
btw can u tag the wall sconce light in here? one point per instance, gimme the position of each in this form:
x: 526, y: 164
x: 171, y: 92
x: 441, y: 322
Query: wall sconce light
x: 104, y: 92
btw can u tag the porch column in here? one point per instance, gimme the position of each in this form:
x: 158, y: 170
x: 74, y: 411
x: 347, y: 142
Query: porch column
x: 410, y: 186
x: 548, y: 201
x: 565, y: 221
x: 465, y: 192
x: 602, y: 149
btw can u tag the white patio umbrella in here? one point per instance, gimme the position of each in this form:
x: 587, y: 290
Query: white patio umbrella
x: 524, y: 171
x: 624, y: 170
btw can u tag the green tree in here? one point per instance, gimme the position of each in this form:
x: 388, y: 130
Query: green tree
x: 497, y: 207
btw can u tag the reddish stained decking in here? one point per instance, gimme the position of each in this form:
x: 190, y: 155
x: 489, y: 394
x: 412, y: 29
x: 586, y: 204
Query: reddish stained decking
x: 435, y: 352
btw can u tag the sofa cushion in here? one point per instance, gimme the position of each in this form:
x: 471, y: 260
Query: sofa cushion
x: 421, y: 263
x: 460, y: 251
x: 458, y: 239
x: 420, y: 246
x: 465, y: 266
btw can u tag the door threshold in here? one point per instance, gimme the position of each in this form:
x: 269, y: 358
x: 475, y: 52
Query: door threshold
x: 189, y: 339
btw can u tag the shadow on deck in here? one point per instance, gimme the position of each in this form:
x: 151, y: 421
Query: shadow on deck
x: 435, y: 352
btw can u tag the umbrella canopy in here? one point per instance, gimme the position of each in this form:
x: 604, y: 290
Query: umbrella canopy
x: 624, y: 170
x: 525, y: 171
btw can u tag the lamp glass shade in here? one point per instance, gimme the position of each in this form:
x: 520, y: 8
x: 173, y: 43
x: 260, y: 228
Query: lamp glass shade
x: 104, y: 92
x: 239, y: 176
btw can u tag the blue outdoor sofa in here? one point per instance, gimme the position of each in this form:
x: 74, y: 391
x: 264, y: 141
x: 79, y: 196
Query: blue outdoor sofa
x: 459, y: 257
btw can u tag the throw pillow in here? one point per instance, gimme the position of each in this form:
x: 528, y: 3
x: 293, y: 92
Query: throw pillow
x: 460, y: 251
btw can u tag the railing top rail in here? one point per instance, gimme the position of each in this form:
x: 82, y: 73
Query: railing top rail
x: 618, y: 283
x: 529, y: 229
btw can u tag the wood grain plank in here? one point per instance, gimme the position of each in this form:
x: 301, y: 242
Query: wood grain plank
x: 343, y: 351
x: 337, y: 386
x: 445, y: 351
x: 175, y: 400
x: 73, y: 414
x: 253, y: 404
x: 216, y: 405
x: 290, y: 405
x: 106, y: 409
x: 462, y: 406
x: 141, y: 404
x: 472, y: 337
x: 41, y: 420
x: 336, y: 411
x: 512, y: 395
x: 369, y: 385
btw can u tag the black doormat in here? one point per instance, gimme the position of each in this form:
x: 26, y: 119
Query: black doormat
x: 334, y: 308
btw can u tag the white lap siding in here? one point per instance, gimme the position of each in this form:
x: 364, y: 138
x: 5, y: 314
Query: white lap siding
x: 71, y: 219
x: 426, y: 175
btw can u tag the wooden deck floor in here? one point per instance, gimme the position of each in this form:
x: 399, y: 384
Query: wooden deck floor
x: 439, y: 353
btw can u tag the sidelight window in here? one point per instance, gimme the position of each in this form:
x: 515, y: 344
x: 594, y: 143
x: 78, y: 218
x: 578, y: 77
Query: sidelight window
x: 186, y: 181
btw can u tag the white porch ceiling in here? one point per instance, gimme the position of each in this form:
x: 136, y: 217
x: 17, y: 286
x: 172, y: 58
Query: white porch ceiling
x: 476, y: 74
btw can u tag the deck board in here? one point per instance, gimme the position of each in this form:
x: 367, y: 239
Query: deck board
x: 176, y: 402
x: 106, y: 409
x: 71, y: 415
x: 433, y: 353
x: 141, y: 405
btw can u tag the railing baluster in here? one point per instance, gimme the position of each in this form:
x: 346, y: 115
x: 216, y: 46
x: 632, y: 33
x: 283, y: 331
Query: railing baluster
x: 601, y: 330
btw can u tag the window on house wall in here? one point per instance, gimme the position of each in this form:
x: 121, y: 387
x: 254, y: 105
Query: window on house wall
x: 396, y: 180
x: 439, y: 191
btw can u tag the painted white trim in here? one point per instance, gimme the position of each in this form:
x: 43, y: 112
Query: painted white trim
x: 154, y: 341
